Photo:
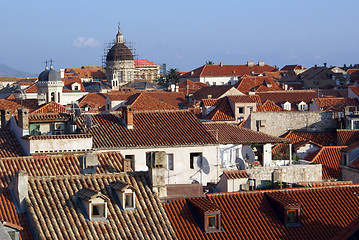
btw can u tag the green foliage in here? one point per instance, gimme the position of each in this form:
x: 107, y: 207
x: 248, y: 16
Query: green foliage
x: 173, y: 76
x: 345, y: 67
x: 209, y: 62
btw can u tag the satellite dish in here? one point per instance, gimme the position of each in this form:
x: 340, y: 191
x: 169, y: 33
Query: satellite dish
x: 248, y: 154
x: 88, y: 121
x: 76, y: 110
x: 240, y: 164
x: 203, y: 164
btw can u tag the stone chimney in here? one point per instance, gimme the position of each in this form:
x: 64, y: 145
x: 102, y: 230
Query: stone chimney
x: 88, y: 163
x: 325, y: 64
x: 250, y: 63
x: 127, y: 116
x: 20, y: 189
x: 23, y: 120
x: 221, y: 64
x: 157, y: 164
x: 5, y: 117
x: 127, y: 165
x: 261, y: 63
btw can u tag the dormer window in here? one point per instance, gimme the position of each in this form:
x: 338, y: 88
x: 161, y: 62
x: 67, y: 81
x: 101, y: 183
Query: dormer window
x: 287, y: 208
x: 125, y: 194
x: 302, y: 106
x: 207, y: 213
x: 287, y: 106
x: 95, y: 204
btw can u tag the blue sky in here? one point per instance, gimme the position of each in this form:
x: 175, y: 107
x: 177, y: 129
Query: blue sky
x: 183, y: 34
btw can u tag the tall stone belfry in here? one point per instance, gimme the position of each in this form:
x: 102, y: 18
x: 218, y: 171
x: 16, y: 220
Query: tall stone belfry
x: 49, y: 86
x: 120, y: 64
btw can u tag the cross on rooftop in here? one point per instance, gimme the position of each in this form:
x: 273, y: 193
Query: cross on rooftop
x: 51, y: 62
x: 46, y: 62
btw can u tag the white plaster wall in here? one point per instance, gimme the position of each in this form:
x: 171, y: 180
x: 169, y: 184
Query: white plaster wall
x: 60, y: 145
x: 223, y: 80
x: 235, y: 184
x: 182, y: 173
x: 69, y: 97
x: 267, y: 154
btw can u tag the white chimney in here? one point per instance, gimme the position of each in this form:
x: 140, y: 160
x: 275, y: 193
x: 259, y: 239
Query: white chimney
x: 20, y: 189
x: 62, y: 73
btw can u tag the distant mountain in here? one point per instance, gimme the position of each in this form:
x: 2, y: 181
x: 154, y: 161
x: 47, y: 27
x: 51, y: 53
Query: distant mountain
x: 6, y: 71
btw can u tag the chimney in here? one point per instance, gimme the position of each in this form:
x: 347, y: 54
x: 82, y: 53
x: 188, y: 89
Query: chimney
x: 250, y: 64
x: 261, y: 63
x: 325, y: 64
x: 221, y: 64
x: 315, y: 65
x: 62, y: 73
x: 19, y: 187
x: 157, y: 165
x: 88, y: 163
x: 209, y: 96
x: 127, y: 116
x: 127, y: 165
x: 23, y: 120
x: 5, y: 117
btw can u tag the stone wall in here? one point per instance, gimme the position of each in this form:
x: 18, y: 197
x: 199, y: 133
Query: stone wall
x: 350, y: 174
x: 289, y: 174
x: 279, y: 123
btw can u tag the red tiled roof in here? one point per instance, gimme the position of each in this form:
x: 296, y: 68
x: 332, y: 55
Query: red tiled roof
x: 192, y: 86
x: 336, y: 103
x: 96, y: 101
x: 292, y: 67
x: 49, y: 117
x: 12, y: 105
x: 231, y: 134
x: 269, y: 106
x: 143, y: 62
x: 248, y: 83
x: 69, y: 80
x: 10, y: 147
x: 329, y: 157
x: 325, y: 212
x: 64, y: 136
x: 291, y: 96
x: 210, y: 102
x: 223, y: 111
x: 355, y: 90
x: 158, y: 128
x: 204, y: 204
x: 51, y: 107
x: 9, y: 215
x: 214, y: 91
x: 87, y: 72
x: 321, y: 138
x: 57, y: 213
x: 31, y: 89
x: 227, y: 70
x: 234, y: 174
x: 240, y: 99
x: 145, y: 102
x: 56, y: 165
x: 347, y: 137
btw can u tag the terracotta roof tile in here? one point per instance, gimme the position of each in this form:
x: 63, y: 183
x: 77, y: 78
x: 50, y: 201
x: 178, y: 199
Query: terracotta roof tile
x: 351, y: 147
x: 269, y: 106
x: 97, y: 72
x: 12, y: 105
x: 51, y: 107
x: 145, y: 102
x: 256, y: 83
x: 223, y: 111
x: 240, y: 99
x: 293, y: 96
x: 347, y: 137
x: 214, y: 91
x: 55, y: 207
x: 235, y: 174
x: 231, y: 134
x: 10, y: 147
x: 325, y: 212
x: 329, y: 157
x: 157, y: 128
x: 31, y: 89
x: 143, y: 62
x: 204, y: 204
x: 210, y: 102
x: 56, y: 165
x: 49, y: 117
x: 95, y: 101
x: 355, y: 164
x: 190, y: 86
x: 227, y: 70
x: 9, y: 215
x: 336, y: 103
x: 321, y: 138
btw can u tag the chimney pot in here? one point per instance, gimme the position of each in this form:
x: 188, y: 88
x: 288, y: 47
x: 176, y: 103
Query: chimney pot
x: 127, y: 116
x: 88, y: 163
x: 5, y: 117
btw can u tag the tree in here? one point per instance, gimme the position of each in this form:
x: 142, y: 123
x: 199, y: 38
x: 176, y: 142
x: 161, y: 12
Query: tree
x: 209, y: 62
x: 173, y: 75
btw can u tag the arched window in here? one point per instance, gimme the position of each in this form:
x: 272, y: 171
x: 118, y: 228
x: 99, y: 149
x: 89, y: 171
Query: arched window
x: 58, y: 97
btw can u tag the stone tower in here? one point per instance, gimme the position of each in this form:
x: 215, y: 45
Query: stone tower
x: 120, y: 65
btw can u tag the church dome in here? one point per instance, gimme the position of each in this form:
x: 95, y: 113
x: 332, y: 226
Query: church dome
x: 49, y: 75
x: 119, y: 52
